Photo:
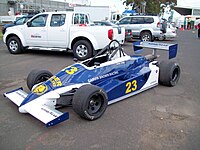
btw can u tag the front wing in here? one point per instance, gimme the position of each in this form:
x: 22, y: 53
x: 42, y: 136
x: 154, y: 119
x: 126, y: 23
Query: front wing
x: 36, y: 108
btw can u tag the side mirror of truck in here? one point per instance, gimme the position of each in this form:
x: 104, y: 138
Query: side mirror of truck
x: 28, y: 24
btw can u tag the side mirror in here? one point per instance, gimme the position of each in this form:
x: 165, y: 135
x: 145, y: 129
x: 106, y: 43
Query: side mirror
x: 28, y: 24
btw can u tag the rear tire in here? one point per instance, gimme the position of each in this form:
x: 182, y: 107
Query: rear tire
x: 37, y: 76
x: 14, y: 45
x: 169, y: 73
x: 82, y: 50
x: 90, y: 102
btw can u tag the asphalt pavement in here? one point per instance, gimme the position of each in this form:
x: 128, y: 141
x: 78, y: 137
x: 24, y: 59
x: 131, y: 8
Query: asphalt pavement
x: 162, y: 118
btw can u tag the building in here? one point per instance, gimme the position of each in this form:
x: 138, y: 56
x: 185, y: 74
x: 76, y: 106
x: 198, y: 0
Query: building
x: 188, y: 7
x: 189, y: 11
x: 31, y: 6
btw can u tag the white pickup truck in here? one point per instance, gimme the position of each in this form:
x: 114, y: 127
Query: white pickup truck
x: 61, y: 31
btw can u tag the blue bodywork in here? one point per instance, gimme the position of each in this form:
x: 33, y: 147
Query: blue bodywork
x: 111, y: 78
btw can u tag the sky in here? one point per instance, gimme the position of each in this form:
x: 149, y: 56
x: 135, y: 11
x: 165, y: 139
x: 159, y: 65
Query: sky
x: 114, y: 4
x: 104, y: 2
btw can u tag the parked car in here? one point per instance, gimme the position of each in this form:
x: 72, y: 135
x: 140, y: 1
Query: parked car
x: 120, y: 31
x: 128, y: 35
x: 19, y: 21
x: 61, y: 31
x: 147, y: 28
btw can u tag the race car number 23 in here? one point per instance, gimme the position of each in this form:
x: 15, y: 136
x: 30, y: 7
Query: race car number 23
x: 131, y: 86
x: 71, y: 70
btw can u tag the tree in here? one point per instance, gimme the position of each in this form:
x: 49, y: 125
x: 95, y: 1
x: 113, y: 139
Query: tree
x: 152, y: 6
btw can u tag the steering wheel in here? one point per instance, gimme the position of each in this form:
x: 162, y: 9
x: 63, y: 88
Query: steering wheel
x: 111, y: 49
x: 114, y: 47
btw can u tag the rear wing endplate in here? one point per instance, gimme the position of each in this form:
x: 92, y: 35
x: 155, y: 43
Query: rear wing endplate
x: 172, y: 48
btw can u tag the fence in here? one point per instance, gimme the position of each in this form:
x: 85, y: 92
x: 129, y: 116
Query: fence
x: 7, y: 19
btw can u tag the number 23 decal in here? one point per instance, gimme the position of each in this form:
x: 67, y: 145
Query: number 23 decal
x: 131, y: 86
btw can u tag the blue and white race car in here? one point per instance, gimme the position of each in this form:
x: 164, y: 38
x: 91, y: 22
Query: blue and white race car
x: 90, y: 86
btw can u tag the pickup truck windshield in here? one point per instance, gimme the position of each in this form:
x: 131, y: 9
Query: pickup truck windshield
x: 39, y: 21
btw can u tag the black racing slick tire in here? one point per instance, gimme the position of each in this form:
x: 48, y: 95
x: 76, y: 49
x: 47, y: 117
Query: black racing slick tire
x: 37, y: 76
x: 169, y: 73
x: 14, y: 45
x: 90, y: 102
x: 82, y: 50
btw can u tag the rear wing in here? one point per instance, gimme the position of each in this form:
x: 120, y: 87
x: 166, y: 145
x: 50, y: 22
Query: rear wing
x: 171, y: 48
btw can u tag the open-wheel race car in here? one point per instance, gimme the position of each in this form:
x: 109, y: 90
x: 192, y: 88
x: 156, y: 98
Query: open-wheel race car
x: 91, y: 85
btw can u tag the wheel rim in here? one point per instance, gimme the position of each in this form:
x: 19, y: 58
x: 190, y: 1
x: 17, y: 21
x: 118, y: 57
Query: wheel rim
x: 13, y: 45
x: 95, y: 104
x: 175, y: 75
x: 145, y: 37
x: 81, y: 51
x: 161, y: 38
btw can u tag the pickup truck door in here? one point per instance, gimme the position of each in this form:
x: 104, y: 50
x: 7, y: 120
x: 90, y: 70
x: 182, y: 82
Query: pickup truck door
x: 57, y: 31
x: 36, y: 31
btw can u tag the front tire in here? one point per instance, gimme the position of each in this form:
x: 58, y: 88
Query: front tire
x: 169, y: 73
x: 14, y: 45
x: 82, y: 50
x: 90, y: 102
x: 37, y: 76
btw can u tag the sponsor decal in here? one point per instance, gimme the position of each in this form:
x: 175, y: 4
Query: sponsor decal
x: 40, y: 89
x: 89, y: 116
x: 49, y: 112
x: 20, y: 94
x: 153, y: 82
x: 36, y: 36
x: 158, y: 44
x: 55, y: 81
x: 103, y: 76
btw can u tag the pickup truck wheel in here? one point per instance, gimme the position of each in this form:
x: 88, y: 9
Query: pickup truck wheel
x: 169, y: 73
x: 90, y: 102
x: 37, y: 76
x: 146, y: 36
x: 14, y: 45
x: 82, y: 50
